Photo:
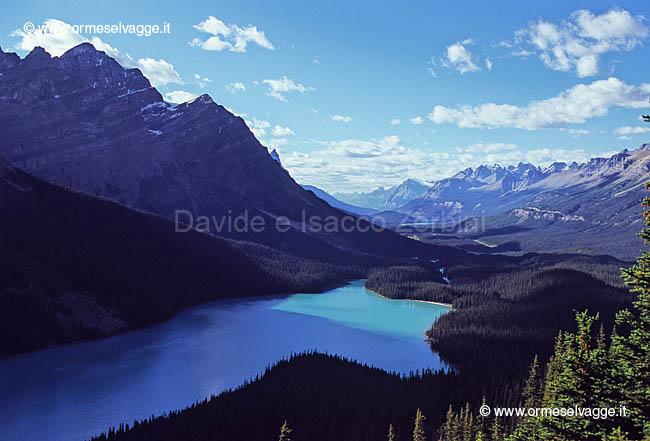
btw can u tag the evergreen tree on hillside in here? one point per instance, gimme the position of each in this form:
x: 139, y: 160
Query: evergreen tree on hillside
x: 285, y: 432
x: 633, y: 350
x: 418, y: 430
x: 391, y: 433
x: 529, y: 427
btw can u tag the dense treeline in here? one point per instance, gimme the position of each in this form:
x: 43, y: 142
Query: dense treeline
x: 323, y: 398
x: 506, y: 324
x: 604, y: 380
x: 505, y: 314
x: 74, y: 266
x: 410, y: 282
x: 501, y: 319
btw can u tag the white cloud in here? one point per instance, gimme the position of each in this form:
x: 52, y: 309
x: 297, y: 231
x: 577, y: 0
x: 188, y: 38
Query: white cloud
x: 57, y: 36
x: 236, y: 87
x: 202, y: 82
x: 574, y: 105
x: 179, y: 96
x: 361, y: 165
x: 258, y: 127
x: 341, y: 118
x: 212, y: 25
x: 214, y: 44
x: 277, y: 88
x: 577, y: 43
x: 229, y: 36
x: 281, y: 131
x: 394, y: 122
x: 575, y: 132
x: 417, y: 120
x: 159, y: 72
x: 275, y: 143
x: 627, y: 130
x: 460, y: 57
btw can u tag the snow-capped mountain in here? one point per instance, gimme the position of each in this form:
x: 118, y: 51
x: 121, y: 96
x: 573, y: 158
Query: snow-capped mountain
x: 595, y: 205
x: 485, y: 190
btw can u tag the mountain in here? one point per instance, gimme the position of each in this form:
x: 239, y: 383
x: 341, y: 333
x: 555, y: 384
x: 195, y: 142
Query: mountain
x: 73, y: 266
x: 348, y: 208
x: 385, y: 198
x: 404, y: 193
x: 276, y: 157
x: 84, y: 122
x: 486, y: 190
x: 593, y: 207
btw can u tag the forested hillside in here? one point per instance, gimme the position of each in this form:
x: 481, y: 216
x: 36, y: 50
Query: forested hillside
x: 74, y: 266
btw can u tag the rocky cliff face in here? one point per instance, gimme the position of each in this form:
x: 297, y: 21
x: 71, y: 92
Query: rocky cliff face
x: 83, y: 121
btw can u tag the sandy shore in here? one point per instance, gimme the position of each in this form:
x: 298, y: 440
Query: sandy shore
x: 448, y: 305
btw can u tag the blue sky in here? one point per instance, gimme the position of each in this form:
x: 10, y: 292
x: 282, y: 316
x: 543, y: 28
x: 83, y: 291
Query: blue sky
x: 326, y: 83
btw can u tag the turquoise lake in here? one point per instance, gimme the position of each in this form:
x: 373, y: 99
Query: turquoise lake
x: 76, y: 391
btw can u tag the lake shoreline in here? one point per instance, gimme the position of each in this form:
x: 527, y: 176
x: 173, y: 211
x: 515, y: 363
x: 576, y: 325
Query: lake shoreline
x: 448, y: 305
x: 227, y: 342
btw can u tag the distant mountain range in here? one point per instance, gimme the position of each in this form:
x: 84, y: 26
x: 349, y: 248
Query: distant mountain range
x: 594, y: 206
x: 84, y: 122
x: 486, y: 190
x: 385, y: 198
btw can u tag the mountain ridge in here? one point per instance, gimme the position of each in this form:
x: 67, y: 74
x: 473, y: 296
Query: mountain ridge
x: 83, y: 121
x: 491, y: 190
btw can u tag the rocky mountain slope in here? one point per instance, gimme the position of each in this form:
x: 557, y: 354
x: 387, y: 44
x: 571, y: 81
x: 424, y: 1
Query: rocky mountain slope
x: 83, y: 121
x: 593, y: 207
x: 486, y: 190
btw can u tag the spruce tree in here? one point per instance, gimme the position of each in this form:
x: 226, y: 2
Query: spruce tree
x: 448, y: 432
x: 529, y: 428
x: 285, y: 432
x: 391, y: 433
x: 418, y: 430
x: 482, y: 429
x: 496, y: 433
x: 633, y: 350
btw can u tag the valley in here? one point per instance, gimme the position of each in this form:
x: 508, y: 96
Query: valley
x: 163, y: 276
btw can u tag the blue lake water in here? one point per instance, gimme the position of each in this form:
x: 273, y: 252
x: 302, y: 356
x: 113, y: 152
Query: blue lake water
x: 76, y: 391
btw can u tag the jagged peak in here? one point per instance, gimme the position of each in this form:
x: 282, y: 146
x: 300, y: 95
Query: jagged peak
x: 411, y: 181
x: 203, y: 99
x: 643, y: 147
x: 38, y: 53
x: 83, y: 48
